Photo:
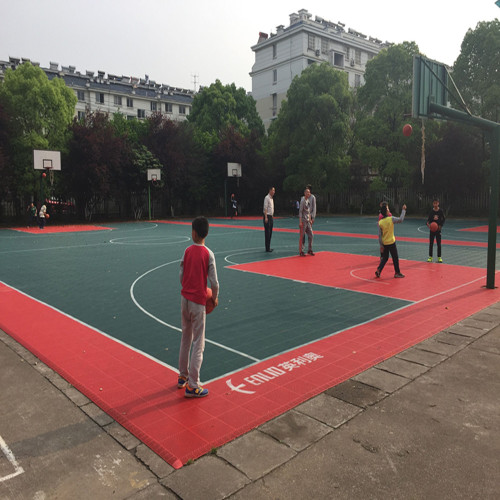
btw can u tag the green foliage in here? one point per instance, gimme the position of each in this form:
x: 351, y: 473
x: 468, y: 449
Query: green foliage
x: 310, y: 137
x: 476, y: 71
x: 40, y: 111
x: 219, y: 107
x: 134, y: 131
x: 98, y: 163
x: 384, y: 101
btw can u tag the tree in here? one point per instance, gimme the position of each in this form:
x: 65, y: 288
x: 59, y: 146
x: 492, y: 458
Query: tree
x: 384, y: 103
x: 182, y: 161
x: 96, y: 161
x: 309, y: 139
x: 6, y: 173
x: 40, y: 112
x: 476, y: 71
x: 456, y: 165
x: 218, y: 107
x: 225, y: 122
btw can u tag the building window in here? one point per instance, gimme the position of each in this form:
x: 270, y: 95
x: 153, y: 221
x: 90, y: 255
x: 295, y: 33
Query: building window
x: 182, y: 110
x: 168, y: 107
x: 130, y: 102
x: 324, y: 46
x: 81, y: 115
x: 130, y: 117
x: 117, y: 100
x: 275, y: 104
x: 310, y: 42
x: 80, y: 94
x: 99, y: 98
x: 141, y: 113
x: 153, y: 106
x: 357, y: 80
x: 275, y: 76
x: 357, y: 56
x: 338, y: 60
x: 274, y: 51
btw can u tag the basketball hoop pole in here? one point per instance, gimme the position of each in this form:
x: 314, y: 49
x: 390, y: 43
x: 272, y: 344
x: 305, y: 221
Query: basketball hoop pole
x: 493, y: 130
x: 149, y: 199
x: 225, y: 196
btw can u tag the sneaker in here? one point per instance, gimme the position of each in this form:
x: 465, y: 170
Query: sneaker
x: 377, y: 274
x: 429, y: 259
x: 440, y: 260
x: 181, y: 382
x: 310, y: 252
x: 302, y: 254
x: 199, y: 392
x: 399, y: 275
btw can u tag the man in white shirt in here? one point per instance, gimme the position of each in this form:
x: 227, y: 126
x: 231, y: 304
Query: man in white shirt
x: 268, y: 217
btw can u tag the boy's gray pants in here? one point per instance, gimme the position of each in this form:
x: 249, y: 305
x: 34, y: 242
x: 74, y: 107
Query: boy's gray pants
x: 193, y: 318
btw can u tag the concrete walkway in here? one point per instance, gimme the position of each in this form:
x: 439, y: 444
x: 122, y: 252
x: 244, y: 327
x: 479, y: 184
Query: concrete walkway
x: 424, y: 424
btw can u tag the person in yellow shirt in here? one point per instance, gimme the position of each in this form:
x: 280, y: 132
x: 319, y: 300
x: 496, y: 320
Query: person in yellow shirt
x: 387, y: 240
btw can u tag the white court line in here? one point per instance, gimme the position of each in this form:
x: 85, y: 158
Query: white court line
x: 12, y: 459
x: 366, y: 279
x: 176, y: 328
x: 114, y: 339
x: 139, y: 240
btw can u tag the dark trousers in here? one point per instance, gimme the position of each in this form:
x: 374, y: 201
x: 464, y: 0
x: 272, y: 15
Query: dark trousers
x: 268, y: 231
x: 389, y: 249
x: 436, y: 235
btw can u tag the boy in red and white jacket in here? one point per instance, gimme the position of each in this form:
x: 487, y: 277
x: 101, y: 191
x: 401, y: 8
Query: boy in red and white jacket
x: 198, y: 264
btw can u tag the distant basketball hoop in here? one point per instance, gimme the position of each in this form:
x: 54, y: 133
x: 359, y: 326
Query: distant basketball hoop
x: 153, y: 175
x: 234, y: 169
x: 48, y: 162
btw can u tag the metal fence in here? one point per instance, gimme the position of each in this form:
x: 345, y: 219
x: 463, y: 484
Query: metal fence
x: 349, y: 201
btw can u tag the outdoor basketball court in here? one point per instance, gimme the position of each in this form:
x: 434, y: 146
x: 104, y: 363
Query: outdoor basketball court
x: 100, y: 304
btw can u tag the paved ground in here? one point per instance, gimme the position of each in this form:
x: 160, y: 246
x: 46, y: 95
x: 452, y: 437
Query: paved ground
x: 422, y: 425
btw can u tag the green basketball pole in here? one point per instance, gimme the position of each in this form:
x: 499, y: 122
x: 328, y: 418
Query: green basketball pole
x: 493, y: 130
x: 149, y: 199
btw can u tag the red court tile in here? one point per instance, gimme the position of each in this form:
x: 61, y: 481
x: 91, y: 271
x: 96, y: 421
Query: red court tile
x: 478, y: 229
x: 61, y: 229
x: 357, y: 273
x: 172, y: 426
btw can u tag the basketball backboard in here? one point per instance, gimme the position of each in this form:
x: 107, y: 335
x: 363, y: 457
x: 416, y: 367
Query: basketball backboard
x: 46, y: 160
x: 430, y: 84
x: 234, y: 169
x: 154, y: 174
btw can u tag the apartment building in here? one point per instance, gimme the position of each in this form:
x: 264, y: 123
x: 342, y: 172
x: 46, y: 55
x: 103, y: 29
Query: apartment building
x: 131, y: 96
x: 283, y: 55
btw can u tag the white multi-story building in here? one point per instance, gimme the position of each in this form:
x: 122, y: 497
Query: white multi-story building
x: 133, y: 97
x: 279, y: 58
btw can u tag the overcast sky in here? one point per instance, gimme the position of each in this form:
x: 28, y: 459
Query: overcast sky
x: 179, y: 42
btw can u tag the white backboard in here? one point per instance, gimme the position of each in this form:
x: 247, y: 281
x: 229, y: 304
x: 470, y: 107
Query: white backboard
x: 234, y: 169
x: 46, y: 160
x: 154, y: 174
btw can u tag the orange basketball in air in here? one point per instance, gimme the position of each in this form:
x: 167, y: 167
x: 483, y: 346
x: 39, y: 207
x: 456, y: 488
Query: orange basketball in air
x: 407, y: 130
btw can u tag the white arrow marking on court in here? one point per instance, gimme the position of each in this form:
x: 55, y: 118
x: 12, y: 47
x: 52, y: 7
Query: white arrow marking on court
x: 12, y: 459
x: 238, y: 388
